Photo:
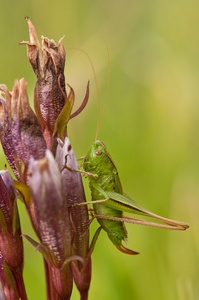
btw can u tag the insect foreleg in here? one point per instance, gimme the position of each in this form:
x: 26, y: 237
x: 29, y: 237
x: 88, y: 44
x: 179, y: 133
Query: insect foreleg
x: 76, y: 170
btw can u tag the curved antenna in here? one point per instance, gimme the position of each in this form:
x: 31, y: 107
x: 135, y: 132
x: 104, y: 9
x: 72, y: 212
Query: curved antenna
x: 96, y: 84
x: 100, y: 116
x: 107, y: 87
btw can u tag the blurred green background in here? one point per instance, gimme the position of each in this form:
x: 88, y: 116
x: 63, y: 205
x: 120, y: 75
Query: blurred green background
x: 150, y: 128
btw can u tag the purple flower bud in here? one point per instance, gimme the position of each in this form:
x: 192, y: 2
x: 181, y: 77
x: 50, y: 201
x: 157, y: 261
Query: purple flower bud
x: 74, y: 195
x: 10, y: 233
x: 11, y: 246
x: 53, y: 218
x: 48, y: 63
x: 20, y: 132
x: 8, y: 284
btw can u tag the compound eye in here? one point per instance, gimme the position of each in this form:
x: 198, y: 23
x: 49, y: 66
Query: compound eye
x: 98, y: 152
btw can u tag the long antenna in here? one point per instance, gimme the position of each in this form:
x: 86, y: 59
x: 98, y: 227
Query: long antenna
x: 99, y: 117
x: 95, y: 79
x: 107, y: 88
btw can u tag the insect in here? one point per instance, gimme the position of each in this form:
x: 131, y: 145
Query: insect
x: 109, y: 201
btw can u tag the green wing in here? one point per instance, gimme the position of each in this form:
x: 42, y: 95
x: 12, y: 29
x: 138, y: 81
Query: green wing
x: 124, y: 203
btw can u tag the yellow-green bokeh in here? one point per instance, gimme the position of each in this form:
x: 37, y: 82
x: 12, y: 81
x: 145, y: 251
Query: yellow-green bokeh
x: 150, y: 128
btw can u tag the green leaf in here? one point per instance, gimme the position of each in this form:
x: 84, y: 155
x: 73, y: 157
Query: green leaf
x: 64, y: 116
